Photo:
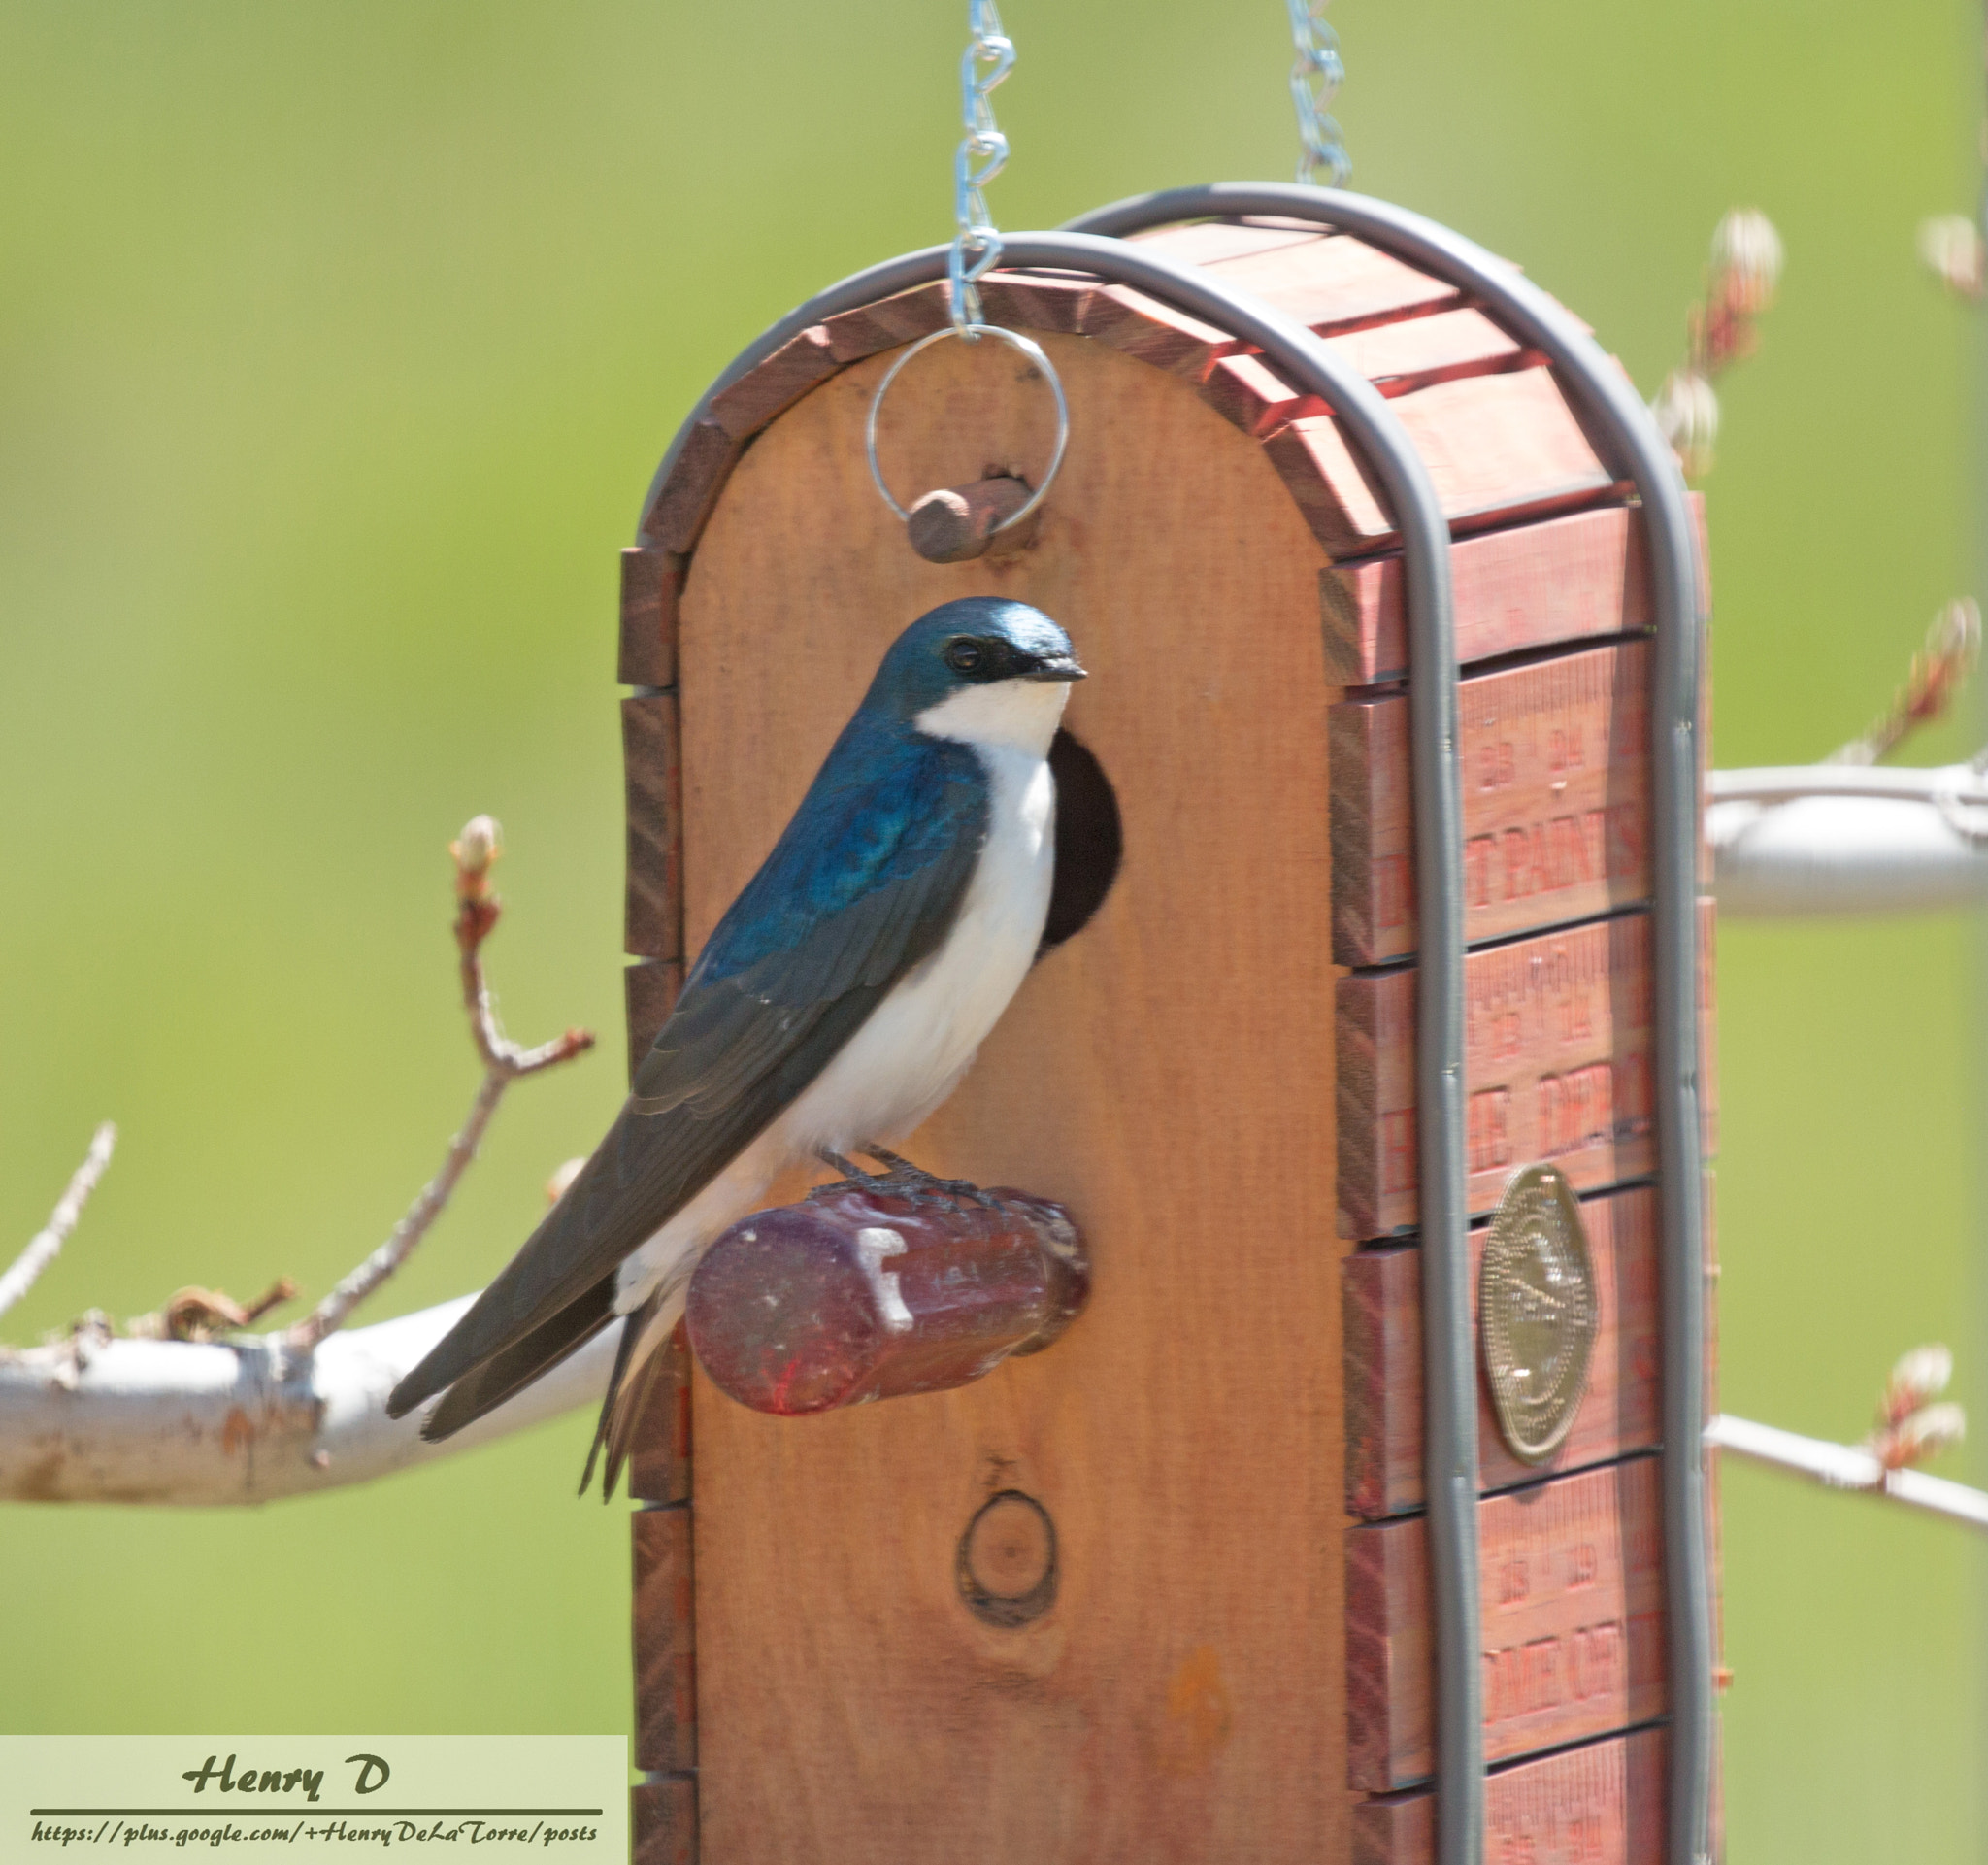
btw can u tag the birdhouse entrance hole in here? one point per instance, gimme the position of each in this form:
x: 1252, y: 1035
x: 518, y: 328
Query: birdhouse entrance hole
x: 1090, y: 839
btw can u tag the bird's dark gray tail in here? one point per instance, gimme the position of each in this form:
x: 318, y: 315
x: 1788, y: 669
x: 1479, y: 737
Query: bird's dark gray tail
x: 622, y: 1408
x: 485, y: 1386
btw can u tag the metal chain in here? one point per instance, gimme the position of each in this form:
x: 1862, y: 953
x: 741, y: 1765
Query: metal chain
x: 982, y: 155
x: 1315, y: 81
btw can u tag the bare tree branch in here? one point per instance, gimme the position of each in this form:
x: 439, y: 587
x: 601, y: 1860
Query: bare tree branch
x: 47, y: 1244
x: 478, y: 909
x: 170, y: 1411
x: 98, y: 1418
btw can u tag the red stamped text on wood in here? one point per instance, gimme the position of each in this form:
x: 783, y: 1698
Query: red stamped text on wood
x: 1620, y: 1408
x: 1598, y: 1804
x: 1572, y: 1603
x: 1531, y: 586
x: 1555, y: 791
x: 1557, y: 1065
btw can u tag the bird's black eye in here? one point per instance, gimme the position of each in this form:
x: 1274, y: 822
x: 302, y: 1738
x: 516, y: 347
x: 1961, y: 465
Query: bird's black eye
x: 965, y: 656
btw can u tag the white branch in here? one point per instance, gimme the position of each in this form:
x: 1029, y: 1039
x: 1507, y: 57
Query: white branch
x: 101, y: 1419
x: 47, y: 1244
x: 1840, y: 837
x: 1845, y: 1466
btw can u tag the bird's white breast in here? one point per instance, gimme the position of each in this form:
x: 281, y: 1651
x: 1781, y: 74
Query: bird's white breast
x: 921, y: 1039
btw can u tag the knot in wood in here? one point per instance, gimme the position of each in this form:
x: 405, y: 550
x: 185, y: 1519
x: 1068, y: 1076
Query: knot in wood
x: 1007, y: 1560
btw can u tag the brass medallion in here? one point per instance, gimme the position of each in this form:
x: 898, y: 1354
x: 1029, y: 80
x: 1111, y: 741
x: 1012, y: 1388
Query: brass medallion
x: 1536, y: 1312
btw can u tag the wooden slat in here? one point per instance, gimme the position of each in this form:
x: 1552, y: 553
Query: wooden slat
x: 653, y: 773
x: 1602, y: 1804
x: 1141, y: 327
x: 659, y: 1461
x: 665, y: 1642
x: 1246, y: 391
x: 1556, y: 1061
x: 650, y: 995
x: 1620, y: 1409
x: 1333, y: 281
x: 684, y: 500
x: 1534, y: 586
x: 1573, y: 1623
x: 650, y: 583
x: 1205, y: 242
x: 1038, y: 300
x: 1497, y: 446
x: 1418, y: 353
x: 665, y: 1823
x: 800, y: 364
x: 1554, y: 758
x: 853, y: 335
x: 853, y: 1706
x: 1398, y: 358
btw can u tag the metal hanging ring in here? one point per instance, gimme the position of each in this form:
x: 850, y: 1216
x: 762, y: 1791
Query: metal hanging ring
x: 972, y: 333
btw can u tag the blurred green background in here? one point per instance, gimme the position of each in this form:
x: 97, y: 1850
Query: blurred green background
x: 337, y: 345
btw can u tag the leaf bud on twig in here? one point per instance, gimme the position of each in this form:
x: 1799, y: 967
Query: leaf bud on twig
x: 475, y: 849
x: 1746, y: 261
x: 1951, y: 248
x: 1919, y: 1375
x: 1925, y: 1433
x: 1687, y: 414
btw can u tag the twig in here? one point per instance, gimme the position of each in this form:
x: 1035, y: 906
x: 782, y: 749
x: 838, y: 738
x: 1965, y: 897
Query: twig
x: 1741, y: 280
x: 478, y: 909
x: 205, y: 1314
x: 1846, y: 1466
x: 47, y: 1245
x: 1953, y: 645
x: 1911, y: 1428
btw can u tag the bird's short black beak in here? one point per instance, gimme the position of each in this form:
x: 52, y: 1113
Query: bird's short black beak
x: 1053, y: 667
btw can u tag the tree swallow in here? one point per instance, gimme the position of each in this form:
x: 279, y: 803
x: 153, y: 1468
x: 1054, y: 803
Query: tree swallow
x: 838, y: 1002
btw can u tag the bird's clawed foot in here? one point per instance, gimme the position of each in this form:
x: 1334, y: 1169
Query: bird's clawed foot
x: 901, y: 1180
x: 852, y: 1177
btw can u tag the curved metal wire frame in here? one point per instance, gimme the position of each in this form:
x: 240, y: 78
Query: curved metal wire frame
x: 1411, y: 500
x: 1618, y: 420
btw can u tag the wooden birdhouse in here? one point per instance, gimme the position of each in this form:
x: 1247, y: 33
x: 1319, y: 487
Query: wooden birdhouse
x: 1163, y: 1591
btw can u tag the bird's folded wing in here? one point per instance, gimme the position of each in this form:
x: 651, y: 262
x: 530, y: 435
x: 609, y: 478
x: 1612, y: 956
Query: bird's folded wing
x: 804, y: 954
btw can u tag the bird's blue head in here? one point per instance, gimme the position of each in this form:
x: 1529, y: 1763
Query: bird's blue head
x: 983, y: 670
